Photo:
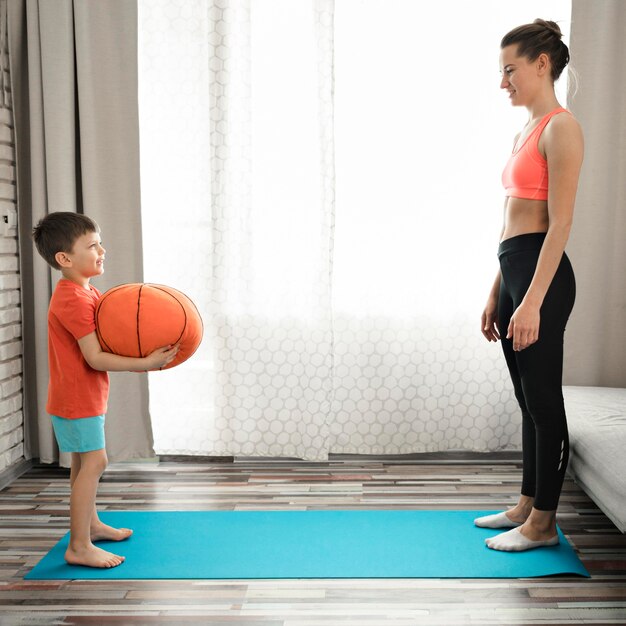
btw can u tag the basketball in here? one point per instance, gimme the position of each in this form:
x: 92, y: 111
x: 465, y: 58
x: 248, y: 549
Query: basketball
x: 137, y: 318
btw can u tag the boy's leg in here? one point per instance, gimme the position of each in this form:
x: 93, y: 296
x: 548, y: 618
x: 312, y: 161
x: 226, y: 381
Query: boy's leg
x: 75, y: 468
x: 98, y: 530
x: 81, y: 550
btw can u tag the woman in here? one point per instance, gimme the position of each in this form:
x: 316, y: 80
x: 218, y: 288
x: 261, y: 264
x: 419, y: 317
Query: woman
x: 534, y: 291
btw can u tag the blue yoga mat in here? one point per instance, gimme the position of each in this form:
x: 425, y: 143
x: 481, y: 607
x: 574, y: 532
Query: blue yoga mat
x: 308, y: 544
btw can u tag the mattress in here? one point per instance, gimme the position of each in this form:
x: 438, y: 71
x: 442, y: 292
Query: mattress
x: 596, y: 418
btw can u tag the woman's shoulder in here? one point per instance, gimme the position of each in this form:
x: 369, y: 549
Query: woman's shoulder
x: 563, y: 127
x: 563, y: 136
x: 564, y: 122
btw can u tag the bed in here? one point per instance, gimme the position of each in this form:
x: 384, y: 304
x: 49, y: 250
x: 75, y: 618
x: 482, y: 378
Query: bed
x: 596, y: 419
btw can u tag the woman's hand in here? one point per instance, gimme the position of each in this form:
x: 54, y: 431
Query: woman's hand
x: 489, y: 321
x: 161, y: 357
x: 524, y: 326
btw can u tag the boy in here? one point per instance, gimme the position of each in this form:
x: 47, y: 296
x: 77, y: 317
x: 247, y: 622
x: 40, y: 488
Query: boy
x: 79, y: 384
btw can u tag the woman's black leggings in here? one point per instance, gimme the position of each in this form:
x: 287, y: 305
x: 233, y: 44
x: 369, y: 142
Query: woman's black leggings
x: 537, y: 370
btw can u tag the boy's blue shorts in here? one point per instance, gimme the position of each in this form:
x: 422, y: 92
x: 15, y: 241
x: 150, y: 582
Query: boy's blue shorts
x: 82, y: 434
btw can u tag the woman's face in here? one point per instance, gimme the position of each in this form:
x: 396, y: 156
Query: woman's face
x: 520, y: 77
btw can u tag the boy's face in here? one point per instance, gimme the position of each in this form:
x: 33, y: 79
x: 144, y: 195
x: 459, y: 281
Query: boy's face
x: 86, y: 258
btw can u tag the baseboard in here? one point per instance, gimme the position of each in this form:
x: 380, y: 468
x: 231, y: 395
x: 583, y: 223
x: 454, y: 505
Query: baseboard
x: 451, y: 457
x: 9, y: 474
x: 461, y: 457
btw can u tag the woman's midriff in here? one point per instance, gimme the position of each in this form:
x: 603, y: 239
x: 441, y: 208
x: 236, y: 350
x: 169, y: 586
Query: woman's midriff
x: 523, y: 216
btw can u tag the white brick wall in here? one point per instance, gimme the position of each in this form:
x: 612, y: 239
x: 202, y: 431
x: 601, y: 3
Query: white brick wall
x: 11, y: 399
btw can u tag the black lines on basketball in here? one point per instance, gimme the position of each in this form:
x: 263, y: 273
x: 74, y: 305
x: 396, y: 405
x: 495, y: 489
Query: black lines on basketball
x: 141, y: 354
x: 180, y: 304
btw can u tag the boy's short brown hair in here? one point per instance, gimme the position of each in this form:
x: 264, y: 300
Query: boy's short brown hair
x: 57, y: 232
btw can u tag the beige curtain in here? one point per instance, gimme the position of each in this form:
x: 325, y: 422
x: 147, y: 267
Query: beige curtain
x: 74, y: 82
x: 596, y: 333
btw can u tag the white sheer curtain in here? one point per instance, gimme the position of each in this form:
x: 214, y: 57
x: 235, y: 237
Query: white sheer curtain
x: 323, y: 180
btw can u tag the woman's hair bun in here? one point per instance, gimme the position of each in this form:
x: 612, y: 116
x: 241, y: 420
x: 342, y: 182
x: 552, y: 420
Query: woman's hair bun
x: 553, y: 27
x: 542, y: 36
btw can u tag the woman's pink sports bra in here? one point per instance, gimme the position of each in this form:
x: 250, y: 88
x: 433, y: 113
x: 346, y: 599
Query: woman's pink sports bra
x: 526, y: 173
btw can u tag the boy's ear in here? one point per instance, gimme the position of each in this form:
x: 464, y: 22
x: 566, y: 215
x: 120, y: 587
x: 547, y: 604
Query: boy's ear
x: 63, y: 259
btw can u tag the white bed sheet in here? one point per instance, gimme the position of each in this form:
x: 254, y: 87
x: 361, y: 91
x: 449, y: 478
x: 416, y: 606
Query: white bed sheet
x: 597, y: 430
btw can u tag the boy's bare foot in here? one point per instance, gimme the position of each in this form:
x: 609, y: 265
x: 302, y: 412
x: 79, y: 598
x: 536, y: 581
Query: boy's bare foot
x: 92, y: 556
x: 102, y: 532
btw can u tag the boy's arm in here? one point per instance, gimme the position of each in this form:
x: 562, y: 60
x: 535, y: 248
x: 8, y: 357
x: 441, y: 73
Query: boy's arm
x: 107, y: 362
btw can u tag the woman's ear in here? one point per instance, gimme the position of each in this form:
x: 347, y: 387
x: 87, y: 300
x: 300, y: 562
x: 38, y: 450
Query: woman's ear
x: 542, y: 64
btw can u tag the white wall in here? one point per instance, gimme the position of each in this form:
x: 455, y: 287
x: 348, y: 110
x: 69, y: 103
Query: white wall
x: 11, y: 416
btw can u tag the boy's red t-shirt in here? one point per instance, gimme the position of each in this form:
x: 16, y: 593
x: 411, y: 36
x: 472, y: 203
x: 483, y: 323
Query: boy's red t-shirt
x: 75, y: 389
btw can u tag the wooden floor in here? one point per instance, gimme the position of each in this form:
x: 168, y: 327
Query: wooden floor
x: 34, y: 516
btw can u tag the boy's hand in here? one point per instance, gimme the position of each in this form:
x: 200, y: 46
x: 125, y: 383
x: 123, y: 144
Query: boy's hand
x: 161, y: 357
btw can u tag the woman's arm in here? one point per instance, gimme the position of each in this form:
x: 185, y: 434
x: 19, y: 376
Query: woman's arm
x: 563, y: 143
x: 97, y: 359
x: 489, y: 318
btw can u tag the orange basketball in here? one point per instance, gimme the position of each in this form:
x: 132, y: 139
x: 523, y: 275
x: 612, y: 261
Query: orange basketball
x: 137, y: 318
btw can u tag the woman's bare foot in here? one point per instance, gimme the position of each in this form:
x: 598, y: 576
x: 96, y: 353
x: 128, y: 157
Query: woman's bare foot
x: 92, y: 556
x: 102, y: 532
